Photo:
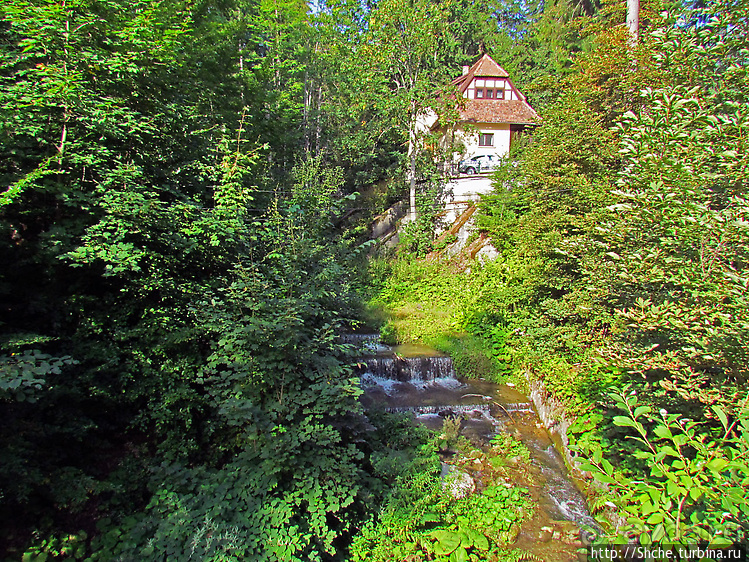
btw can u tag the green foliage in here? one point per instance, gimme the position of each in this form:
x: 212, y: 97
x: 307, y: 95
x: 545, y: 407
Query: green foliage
x: 184, y: 385
x: 578, y: 387
x: 21, y: 375
x: 458, y: 543
x: 428, y: 300
x: 695, y: 485
x: 628, y: 206
x: 421, y: 520
x: 173, y: 184
x: 450, y: 432
x: 471, y: 356
x: 508, y: 448
x: 72, y: 546
x: 677, y: 242
x: 621, y: 229
x: 496, y: 512
x: 416, y: 237
x: 466, y: 315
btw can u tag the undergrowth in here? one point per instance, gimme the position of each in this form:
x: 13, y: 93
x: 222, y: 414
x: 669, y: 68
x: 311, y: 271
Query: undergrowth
x: 461, y: 314
x: 423, y: 518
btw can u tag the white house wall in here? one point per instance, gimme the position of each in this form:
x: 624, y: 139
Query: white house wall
x: 470, y: 140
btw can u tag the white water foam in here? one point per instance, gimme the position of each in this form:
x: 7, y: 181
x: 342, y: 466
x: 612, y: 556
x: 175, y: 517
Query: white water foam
x: 389, y: 386
x: 408, y: 369
x: 448, y: 409
x: 428, y: 416
x: 566, y: 497
x: 392, y: 386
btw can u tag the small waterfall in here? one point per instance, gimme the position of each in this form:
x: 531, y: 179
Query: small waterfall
x: 365, y: 344
x: 358, y: 339
x: 417, y: 380
x: 469, y: 410
x: 519, y: 407
x: 407, y: 369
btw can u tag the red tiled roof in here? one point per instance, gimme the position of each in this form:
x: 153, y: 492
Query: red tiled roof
x: 491, y: 110
x: 499, y: 111
x: 485, y: 66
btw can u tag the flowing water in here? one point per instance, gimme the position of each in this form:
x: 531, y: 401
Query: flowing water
x: 419, y: 380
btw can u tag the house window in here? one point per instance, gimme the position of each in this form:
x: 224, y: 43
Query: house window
x: 490, y: 94
x: 486, y: 139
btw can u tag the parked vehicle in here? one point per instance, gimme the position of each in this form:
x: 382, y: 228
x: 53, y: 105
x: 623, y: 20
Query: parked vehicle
x: 478, y: 164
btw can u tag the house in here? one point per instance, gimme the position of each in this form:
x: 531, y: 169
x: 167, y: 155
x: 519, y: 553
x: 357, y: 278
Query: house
x: 483, y: 112
x: 491, y: 114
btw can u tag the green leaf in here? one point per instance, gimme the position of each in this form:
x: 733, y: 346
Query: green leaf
x: 478, y: 539
x: 654, y: 519
x: 721, y: 416
x: 459, y: 555
x: 447, y: 541
x: 663, y: 432
x: 668, y: 450
x: 640, y: 410
x: 717, y: 465
x: 624, y: 421
x: 601, y: 477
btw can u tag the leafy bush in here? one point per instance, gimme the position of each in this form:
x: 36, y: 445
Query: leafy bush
x: 422, y: 521
x: 416, y: 237
x: 695, y: 483
x: 508, y: 448
x: 462, y: 314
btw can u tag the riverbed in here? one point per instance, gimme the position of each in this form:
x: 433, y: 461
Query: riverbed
x: 422, y: 382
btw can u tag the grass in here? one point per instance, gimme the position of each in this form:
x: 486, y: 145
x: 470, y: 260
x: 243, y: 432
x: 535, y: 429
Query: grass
x: 414, y: 301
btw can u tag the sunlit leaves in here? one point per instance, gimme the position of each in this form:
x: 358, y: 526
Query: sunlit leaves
x: 680, y: 233
x: 689, y: 474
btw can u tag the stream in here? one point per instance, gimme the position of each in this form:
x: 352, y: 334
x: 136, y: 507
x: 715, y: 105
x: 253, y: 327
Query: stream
x: 417, y: 379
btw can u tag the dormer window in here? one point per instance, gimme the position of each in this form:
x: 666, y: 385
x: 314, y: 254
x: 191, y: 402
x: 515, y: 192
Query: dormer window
x: 489, y: 94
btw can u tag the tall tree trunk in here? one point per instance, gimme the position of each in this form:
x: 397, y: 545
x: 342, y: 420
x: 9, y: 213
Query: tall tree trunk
x: 318, y: 123
x: 412, y: 150
x: 306, y: 113
x: 412, y: 188
x: 633, y: 18
x: 412, y: 175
